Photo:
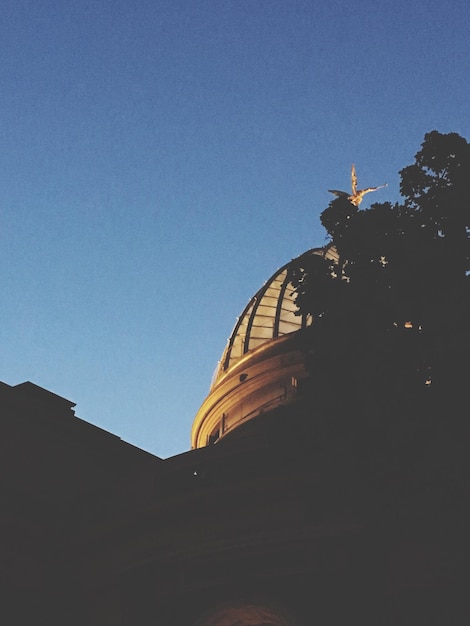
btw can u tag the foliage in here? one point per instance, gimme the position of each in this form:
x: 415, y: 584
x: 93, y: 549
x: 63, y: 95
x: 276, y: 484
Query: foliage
x: 390, y: 336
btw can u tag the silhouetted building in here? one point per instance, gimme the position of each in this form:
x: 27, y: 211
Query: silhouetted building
x: 270, y: 520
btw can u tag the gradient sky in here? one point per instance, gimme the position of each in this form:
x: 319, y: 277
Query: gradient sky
x: 161, y: 159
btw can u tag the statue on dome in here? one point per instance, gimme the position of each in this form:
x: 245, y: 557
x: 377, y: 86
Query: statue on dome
x: 357, y: 194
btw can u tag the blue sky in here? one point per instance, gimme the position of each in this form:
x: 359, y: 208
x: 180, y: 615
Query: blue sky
x: 161, y: 159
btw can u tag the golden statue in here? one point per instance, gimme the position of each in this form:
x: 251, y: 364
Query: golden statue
x: 357, y: 194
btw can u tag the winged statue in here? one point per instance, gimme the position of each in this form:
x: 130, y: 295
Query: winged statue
x: 357, y: 194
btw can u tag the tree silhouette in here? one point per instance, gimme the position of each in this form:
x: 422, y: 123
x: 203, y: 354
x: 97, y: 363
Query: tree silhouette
x: 390, y: 337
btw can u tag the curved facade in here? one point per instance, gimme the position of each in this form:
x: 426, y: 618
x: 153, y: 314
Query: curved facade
x: 262, y: 362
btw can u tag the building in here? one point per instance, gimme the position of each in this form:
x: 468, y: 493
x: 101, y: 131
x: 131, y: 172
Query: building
x: 270, y: 520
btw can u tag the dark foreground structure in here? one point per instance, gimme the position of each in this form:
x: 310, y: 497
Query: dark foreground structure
x: 278, y: 516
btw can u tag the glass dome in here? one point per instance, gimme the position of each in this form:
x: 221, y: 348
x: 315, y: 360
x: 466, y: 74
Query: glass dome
x: 264, y: 361
x: 269, y: 314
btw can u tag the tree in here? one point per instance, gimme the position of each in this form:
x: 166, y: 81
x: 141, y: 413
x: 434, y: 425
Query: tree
x: 391, y: 330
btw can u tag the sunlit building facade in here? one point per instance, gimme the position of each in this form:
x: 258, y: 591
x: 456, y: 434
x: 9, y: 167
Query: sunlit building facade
x: 263, y: 362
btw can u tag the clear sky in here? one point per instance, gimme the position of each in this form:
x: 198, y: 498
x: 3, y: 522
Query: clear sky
x: 160, y: 159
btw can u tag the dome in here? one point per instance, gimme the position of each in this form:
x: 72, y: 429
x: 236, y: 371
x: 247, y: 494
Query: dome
x: 269, y: 314
x: 263, y: 359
